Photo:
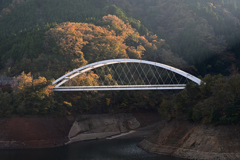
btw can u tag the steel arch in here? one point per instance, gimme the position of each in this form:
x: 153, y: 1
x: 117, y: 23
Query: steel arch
x: 91, y: 66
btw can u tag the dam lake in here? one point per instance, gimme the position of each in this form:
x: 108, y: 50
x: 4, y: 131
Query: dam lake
x: 114, y: 149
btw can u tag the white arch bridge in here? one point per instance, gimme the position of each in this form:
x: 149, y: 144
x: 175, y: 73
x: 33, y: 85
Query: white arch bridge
x: 124, y: 74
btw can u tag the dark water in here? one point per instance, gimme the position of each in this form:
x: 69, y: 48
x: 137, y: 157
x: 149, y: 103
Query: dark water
x: 115, y: 149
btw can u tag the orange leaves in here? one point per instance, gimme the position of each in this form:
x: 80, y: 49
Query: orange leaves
x: 27, y: 84
x: 24, y: 80
x: 118, y: 25
x: 99, y: 42
x: 85, y: 79
x: 136, y: 53
x: 82, y: 43
x: 39, y: 81
x: 143, y: 40
x: 49, y: 89
x: 90, y: 79
x: 78, y: 62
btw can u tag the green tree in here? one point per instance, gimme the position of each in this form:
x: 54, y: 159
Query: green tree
x: 6, y: 107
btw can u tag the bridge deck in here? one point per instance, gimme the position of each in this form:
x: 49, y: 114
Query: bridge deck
x: 120, y: 87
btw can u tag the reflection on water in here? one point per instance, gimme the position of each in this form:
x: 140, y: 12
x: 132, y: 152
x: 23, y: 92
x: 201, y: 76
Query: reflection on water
x: 116, y: 149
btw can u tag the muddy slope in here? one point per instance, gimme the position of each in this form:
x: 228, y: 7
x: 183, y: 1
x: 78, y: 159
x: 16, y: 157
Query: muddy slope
x: 34, y: 132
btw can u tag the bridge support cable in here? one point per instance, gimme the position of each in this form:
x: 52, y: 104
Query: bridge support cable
x: 124, y: 74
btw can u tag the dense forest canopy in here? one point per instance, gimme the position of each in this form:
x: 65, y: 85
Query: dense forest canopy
x: 40, y: 40
x: 204, y: 33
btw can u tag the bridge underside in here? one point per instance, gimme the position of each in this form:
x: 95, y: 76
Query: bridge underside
x: 121, y: 87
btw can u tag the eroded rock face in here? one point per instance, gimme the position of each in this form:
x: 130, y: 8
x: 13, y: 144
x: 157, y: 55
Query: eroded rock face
x: 194, y: 141
x: 88, y: 127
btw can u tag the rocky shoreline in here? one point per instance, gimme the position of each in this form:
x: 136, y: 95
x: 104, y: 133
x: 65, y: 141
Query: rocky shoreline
x: 175, y: 138
x: 194, y: 141
x: 89, y: 127
x: 186, y: 153
x: 180, y: 139
x: 48, y: 131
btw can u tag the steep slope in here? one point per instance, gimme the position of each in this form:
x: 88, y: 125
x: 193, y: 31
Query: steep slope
x: 37, y: 12
x: 202, y: 32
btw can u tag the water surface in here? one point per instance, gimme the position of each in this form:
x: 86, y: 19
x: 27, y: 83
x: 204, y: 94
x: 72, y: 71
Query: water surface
x: 115, y: 149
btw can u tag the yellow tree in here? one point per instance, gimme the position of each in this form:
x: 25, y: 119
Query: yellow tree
x: 33, y: 96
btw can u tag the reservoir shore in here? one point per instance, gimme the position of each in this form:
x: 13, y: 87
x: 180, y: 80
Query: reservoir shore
x: 180, y: 139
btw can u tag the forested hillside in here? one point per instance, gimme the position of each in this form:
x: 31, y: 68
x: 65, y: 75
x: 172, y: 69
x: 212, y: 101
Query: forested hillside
x: 40, y: 40
x: 204, y: 33
x: 48, y: 50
